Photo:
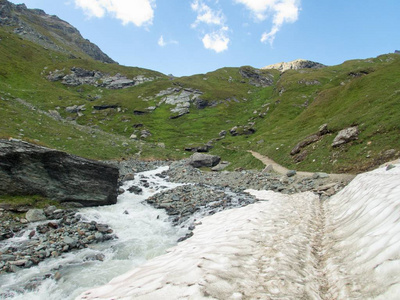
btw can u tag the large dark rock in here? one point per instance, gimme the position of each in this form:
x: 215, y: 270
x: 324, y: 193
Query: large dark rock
x: 198, y: 160
x: 27, y: 169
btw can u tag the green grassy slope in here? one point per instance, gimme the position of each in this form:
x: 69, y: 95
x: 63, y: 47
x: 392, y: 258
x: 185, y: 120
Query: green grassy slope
x: 360, y: 92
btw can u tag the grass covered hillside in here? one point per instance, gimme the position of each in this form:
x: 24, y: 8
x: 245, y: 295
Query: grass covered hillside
x: 104, y: 110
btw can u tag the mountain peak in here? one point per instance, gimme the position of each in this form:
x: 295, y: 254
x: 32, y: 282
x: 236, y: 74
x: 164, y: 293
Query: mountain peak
x: 295, y: 65
x: 48, y: 31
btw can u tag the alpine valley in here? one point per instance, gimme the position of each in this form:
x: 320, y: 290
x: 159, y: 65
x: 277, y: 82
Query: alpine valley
x: 79, y: 130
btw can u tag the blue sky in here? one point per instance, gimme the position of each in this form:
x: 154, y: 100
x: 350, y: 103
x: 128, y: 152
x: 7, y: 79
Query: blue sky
x: 186, y: 37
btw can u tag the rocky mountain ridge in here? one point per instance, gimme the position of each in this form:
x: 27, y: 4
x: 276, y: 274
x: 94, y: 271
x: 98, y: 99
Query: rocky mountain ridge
x: 294, y: 65
x: 48, y: 31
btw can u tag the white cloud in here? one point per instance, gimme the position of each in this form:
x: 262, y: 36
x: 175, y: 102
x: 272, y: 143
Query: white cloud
x: 206, y: 15
x: 217, y: 40
x: 282, y: 11
x: 138, y: 12
x: 162, y: 43
x: 213, y: 22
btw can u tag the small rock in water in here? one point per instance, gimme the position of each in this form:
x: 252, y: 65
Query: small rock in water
x: 135, y: 189
x: 57, y: 276
x: 100, y: 257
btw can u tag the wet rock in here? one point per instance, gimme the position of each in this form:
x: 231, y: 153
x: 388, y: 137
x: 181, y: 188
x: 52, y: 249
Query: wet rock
x: 129, y: 176
x: 135, y: 189
x: 103, y: 228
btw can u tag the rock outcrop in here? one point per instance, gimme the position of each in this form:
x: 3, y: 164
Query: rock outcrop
x: 180, y: 99
x: 257, y: 77
x: 27, y: 169
x: 79, y: 76
x: 346, y: 135
x: 295, y: 65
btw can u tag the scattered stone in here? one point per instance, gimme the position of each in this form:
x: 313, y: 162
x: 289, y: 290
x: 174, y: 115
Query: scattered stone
x: 323, y: 129
x: 75, y: 108
x: 242, y: 130
x: 184, y: 201
x: 145, y: 133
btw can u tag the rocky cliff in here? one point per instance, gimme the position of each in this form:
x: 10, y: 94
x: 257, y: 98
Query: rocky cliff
x: 295, y: 65
x: 27, y: 169
x: 48, y: 31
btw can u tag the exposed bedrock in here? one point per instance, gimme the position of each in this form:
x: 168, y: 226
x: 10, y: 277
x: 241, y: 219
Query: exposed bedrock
x: 28, y: 169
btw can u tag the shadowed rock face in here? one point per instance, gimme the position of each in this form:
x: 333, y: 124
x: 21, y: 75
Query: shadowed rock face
x: 27, y: 169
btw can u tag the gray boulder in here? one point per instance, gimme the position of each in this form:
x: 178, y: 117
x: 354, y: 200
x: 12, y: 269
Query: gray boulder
x: 198, y: 160
x: 27, y: 169
x: 35, y: 215
x: 346, y: 135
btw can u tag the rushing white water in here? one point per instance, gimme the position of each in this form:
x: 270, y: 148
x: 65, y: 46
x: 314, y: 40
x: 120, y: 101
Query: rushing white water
x: 143, y: 233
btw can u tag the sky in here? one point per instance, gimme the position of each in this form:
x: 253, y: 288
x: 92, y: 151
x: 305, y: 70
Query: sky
x: 186, y: 37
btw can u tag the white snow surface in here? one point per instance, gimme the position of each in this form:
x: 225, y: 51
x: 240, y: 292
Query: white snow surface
x: 283, y: 247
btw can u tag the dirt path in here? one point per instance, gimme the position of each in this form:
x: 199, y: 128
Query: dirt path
x: 282, y: 170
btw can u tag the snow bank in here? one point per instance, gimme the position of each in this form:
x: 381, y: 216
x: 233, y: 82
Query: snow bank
x: 285, y: 247
x: 362, y: 237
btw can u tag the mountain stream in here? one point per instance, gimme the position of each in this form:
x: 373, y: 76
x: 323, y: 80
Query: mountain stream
x: 143, y: 232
